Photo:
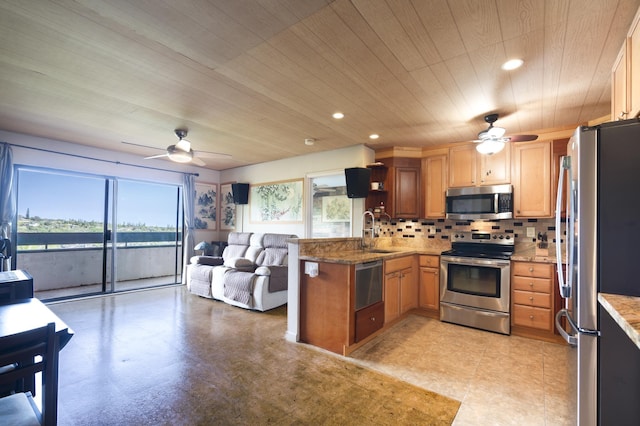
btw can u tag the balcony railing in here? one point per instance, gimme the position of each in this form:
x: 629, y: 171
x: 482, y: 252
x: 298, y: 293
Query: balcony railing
x: 74, y: 259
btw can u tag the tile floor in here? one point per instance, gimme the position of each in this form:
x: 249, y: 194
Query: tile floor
x: 163, y: 356
x: 500, y: 380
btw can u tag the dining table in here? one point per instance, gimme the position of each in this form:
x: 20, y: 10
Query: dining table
x: 28, y: 314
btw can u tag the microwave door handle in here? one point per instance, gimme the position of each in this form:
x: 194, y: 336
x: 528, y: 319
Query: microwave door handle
x: 496, y: 203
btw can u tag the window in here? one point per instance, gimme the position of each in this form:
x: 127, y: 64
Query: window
x: 331, y: 209
x: 65, y: 234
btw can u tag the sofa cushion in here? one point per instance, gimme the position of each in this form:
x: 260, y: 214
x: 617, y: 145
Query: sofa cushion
x: 276, y: 240
x: 239, y: 263
x: 233, y: 251
x: 206, y: 260
x: 239, y: 238
x: 272, y: 256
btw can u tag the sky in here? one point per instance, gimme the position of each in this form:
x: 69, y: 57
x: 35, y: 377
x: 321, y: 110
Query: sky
x: 58, y: 196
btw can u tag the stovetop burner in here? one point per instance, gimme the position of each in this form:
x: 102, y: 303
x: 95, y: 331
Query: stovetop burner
x: 484, y: 245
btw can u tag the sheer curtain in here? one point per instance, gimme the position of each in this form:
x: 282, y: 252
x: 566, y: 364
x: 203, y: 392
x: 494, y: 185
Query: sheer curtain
x: 189, y: 194
x: 7, y: 200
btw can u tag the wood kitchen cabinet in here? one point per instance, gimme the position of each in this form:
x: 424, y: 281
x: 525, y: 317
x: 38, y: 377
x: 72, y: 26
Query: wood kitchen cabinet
x: 467, y: 167
x: 430, y: 285
x: 401, y: 193
x: 400, y: 287
x: 379, y: 196
x: 326, y: 307
x: 559, y: 151
x: 625, y: 76
x: 531, y: 173
x: 533, y: 304
x: 434, y: 171
x: 328, y: 318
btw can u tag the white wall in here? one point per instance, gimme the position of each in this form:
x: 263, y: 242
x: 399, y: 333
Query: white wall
x: 125, y: 169
x: 286, y: 169
x: 298, y: 168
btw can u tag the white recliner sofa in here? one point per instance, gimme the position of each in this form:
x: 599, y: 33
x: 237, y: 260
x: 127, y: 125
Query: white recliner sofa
x: 252, y: 273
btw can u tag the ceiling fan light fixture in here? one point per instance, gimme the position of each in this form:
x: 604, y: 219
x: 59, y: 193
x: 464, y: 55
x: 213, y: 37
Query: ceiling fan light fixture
x: 178, y: 155
x: 512, y: 64
x: 490, y: 147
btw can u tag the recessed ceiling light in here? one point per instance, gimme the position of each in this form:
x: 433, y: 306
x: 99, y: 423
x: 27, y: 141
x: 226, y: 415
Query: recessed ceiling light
x: 309, y: 141
x: 338, y: 115
x: 512, y: 64
x: 374, y: 136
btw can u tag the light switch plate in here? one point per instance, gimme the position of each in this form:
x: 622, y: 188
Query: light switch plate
x: 531, y: 232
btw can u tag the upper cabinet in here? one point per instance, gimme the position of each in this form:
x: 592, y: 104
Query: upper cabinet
x: 401, y: 190
x: 467, y: 167
x: 531, y: 171
x: 434, y: 171
x: 625, y: 76
x: 559, y: 151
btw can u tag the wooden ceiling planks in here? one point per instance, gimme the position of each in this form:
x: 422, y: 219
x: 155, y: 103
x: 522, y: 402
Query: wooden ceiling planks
x: 255, y: 77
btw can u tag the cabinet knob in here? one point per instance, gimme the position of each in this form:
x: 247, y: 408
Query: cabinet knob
x: 530, y: 284
x: 518, y: 211
x: 622, y: 115
x: 530, y: 269
x: 435, y: 273
x: 373, y: 319
x: 530, y: 297
x: 530, y: 316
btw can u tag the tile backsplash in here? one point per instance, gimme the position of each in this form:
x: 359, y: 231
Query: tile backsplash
x: 443, y: 229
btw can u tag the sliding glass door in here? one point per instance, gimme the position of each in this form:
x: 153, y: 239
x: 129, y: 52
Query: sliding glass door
x: 80, y: 234
x: 61, y: 231
x: 147, y: 234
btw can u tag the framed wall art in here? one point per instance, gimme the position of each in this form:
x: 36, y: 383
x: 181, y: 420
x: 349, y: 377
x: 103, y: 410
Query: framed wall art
x: 227, y: 207
x: 279, y: 202
x: 205, y: 206
x: 336, y: 208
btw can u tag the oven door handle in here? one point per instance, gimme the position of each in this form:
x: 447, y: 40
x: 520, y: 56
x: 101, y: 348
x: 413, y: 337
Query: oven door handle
x: 474, y: 262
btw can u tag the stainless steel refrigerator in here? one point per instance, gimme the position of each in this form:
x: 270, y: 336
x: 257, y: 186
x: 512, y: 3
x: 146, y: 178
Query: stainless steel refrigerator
x: 602, y: 185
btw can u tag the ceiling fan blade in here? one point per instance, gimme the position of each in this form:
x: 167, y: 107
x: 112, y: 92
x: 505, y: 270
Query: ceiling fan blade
x: 198, y: 162
x: 142, y: 146
x: 156, y: 156
x: 522, y: 138
x: 205, y: 154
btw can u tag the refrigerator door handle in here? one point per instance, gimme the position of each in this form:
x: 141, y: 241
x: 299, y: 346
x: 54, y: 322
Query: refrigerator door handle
x: 571, y: 339
x: 564, y: 287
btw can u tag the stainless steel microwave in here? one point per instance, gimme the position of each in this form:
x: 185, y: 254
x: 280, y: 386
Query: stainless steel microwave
x: 480, y: 202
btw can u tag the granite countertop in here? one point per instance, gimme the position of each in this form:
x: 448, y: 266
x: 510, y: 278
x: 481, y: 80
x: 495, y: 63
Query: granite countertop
x: 625, y: 310
x: 358, y: 256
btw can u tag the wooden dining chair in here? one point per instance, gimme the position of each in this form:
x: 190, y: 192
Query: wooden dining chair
x: 26, y: 354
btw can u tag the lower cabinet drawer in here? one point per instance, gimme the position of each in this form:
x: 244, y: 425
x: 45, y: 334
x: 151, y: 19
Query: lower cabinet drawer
x: 369, y: 320
x: 529, y: 316
x: 530, y: 298
x: 540, y: 285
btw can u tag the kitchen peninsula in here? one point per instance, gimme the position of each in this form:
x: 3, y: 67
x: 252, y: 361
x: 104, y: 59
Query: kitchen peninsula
x: 331, y: 286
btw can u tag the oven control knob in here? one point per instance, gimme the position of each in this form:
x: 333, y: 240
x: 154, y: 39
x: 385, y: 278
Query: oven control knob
x: 495, y: 236
x: 508, y: 237
x: 501, y: 237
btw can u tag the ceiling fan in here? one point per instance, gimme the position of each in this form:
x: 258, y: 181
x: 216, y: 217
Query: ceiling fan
x: 492, y: 140
x: 181, y: 152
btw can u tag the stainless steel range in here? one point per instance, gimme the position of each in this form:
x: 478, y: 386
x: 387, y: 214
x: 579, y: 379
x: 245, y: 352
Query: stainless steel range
x: 475, y: 281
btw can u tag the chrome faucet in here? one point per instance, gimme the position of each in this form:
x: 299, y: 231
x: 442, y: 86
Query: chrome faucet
x: 372, y: 231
